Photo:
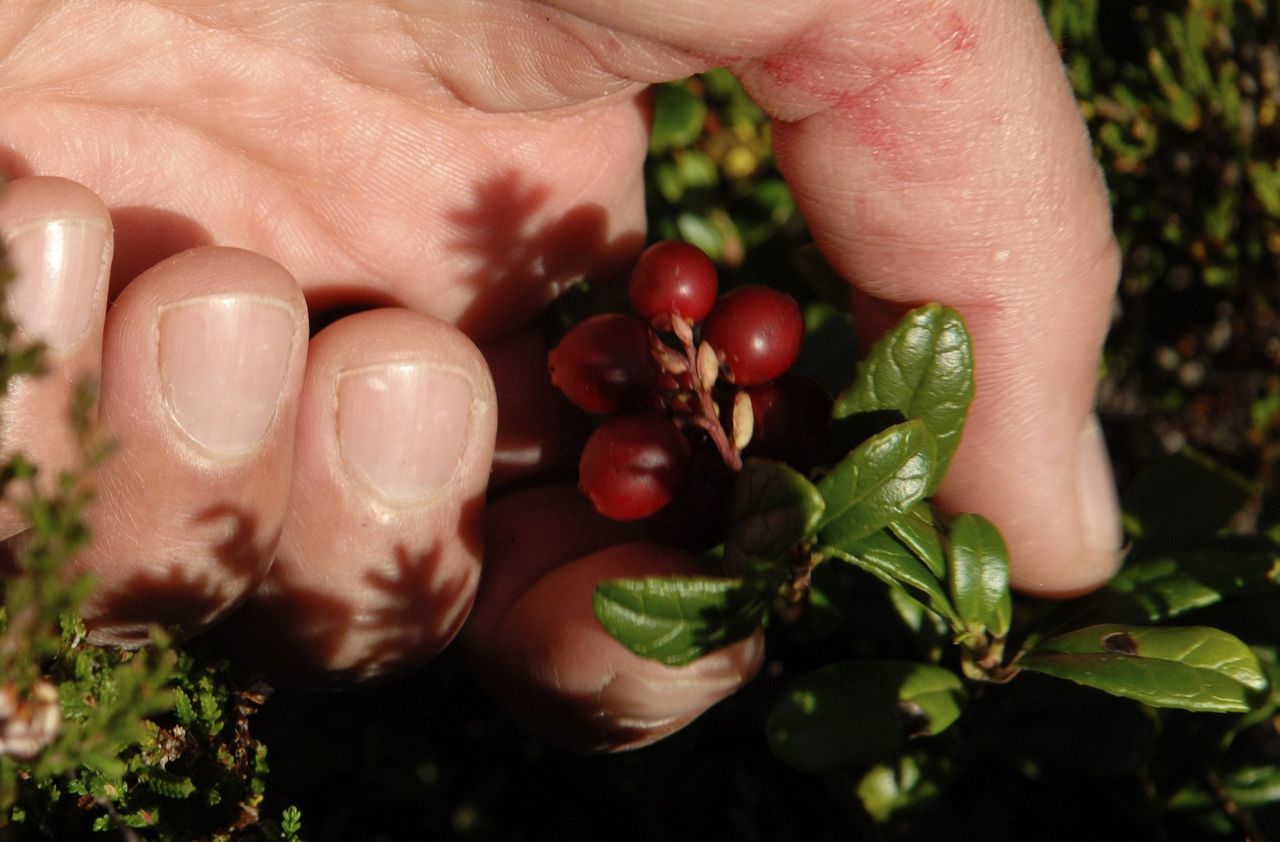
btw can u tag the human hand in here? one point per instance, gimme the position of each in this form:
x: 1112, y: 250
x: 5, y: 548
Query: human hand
x: 465, y: 163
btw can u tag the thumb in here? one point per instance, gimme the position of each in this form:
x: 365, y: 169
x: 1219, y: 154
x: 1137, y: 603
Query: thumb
x: 943, y: 159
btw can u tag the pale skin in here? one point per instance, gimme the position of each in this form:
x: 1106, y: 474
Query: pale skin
x: 236, y: 167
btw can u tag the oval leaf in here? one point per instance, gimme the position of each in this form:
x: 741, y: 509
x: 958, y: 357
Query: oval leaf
x: 678, y: 116
x: 859, y: 712
x: 980, y: 575
x: 1191, y: 667
x: 883, y: 557
x: 1164, y: 586
x: 877, y: 482
x: 678, y: 619
x: 924, y: 369
x: 773, y: 508
x: 918, y: 531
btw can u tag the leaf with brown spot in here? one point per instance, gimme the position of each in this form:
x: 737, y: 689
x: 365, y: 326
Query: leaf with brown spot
x: 1190, y: 667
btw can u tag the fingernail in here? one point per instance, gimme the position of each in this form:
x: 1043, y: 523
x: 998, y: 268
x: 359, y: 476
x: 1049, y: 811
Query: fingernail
x: 58, y: 275
x: 402, y: 427
x: 223, y: 362
x: 1097, y: 505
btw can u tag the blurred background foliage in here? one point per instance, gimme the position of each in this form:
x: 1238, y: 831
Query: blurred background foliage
x: 1181, y: 98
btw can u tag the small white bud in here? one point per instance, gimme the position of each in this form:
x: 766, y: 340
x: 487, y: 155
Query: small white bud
x: 708, y: 366
x: 744, y: 420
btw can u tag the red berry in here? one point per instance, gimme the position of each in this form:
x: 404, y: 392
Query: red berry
x: 757, y: 331
x: 672, y: 276
x: 633, y: 465
x: 603, y: 364
x: 791, y: 417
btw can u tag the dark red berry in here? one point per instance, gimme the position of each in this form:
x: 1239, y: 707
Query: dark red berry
x: 672, y: 276
x: 791, y: 417
x: 633, y: 465
x: 603, y: 364
x: 757, y: 332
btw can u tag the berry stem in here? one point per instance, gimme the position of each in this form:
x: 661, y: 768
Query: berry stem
x: 704, y: 415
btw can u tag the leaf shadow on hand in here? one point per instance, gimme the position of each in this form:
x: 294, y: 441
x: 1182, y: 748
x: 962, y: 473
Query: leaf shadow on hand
x: 513, y: 244
x: 186, y: 594
x: 399, y: 615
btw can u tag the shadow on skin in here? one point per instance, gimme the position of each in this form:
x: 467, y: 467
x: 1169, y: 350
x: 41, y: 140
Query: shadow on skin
x: 512, y: 246
x: 145, y: 236
x: 186, y: 595
x: 398, y: 615
x: 13, y: 165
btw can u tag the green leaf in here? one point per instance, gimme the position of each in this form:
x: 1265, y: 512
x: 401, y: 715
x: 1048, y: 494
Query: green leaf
x: 1164, y: 586
x: 924, y: 369
x: 1181, y: 501
x: 1249, y: 787
x: 889, y: 561
x: 858, y: 712
x: 877, y: 482
x: 678, y: 116
x: 773, y: 508
x: 1191, y: 667
x: 918, y: 530
x: 906, y: 783
x: 930, y: 633
x: 980, y: 575
x: 679, y: 619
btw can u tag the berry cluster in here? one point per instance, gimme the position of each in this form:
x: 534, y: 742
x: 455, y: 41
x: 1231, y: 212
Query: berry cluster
x: 687, y: 373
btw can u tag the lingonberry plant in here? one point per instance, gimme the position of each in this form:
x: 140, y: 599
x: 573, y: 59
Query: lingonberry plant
x: 813, y: 480
x: 678, y: 384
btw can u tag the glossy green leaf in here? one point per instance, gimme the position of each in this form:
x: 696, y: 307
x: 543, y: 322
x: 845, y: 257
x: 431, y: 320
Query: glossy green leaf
x: 773, y: 508
x: 858, y: 712
x: 678, y: 116
x: 924, y: 369
x: 877, y: 482
x: 678, y: 619
x: 919, y: 532
x: 1190, y: 667
x: 884, y: 557
x: 980, y: 575
x: 1181, y: 501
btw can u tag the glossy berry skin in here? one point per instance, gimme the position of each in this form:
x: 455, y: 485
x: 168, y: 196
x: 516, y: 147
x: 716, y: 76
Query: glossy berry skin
x: 757, y: 332
x: 672, y: 276
x: 603, y: 364
x: 633, y: 465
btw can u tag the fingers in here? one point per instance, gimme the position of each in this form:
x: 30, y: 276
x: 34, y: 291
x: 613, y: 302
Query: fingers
x: 540, y: 434
x: 941, y: 156
x: 58, y: 239
x: 202, y: 363
x: 536, y: 642
x: 380, y: 553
